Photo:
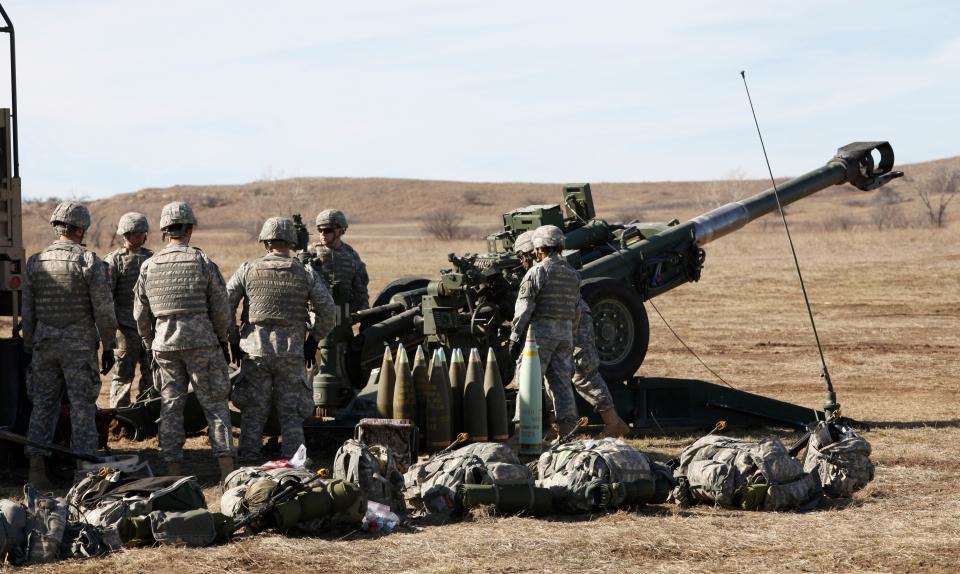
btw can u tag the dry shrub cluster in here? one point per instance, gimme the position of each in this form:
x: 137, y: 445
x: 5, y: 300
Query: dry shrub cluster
x: 444, y: 224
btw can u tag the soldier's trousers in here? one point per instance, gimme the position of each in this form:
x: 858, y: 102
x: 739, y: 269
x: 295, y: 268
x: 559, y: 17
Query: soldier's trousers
x: 272, y: 384
x: 587, y: 380
x: 51, y: 370
x: 205, y: 370
x: 556, y: 365
x: 129, y: 354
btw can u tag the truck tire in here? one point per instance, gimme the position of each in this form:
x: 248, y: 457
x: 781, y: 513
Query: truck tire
x: 621, y: 327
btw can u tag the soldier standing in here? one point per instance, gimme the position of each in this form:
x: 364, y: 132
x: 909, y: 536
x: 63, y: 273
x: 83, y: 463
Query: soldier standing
x: 277, y: 291
x: 123, y: 270
x: 67, y: 313
x: 180, y: 305
x: 547, y: 301
x: 338, y: 263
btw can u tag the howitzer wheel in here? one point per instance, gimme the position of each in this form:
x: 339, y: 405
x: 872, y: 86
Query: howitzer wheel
x: 621, y: 328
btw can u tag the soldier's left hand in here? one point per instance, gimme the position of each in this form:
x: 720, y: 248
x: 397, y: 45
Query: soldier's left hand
x: 107, y: 361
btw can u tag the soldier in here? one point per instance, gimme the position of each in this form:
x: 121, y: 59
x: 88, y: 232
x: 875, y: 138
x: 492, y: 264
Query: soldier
x: 67, y: 313
x: 277, y: 290
x: 123, y: 270
x: 586, y: 377
x: 338, y: 263
x: 547, y: 300
x: 180, y: 305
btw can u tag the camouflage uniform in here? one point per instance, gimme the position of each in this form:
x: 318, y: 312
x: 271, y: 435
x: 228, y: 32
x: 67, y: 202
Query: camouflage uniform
x: 586, y: 378
x: 123, y: 270
x: 67, y: 312
x: 276, y: 291
x: 180, y: 305
x: 344, y: 272
x: 548, y: 301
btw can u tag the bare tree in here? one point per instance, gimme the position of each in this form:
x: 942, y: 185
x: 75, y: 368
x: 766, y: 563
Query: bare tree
x: 887, y: 212
x: 936, y: 192
x: 444, y: 224
x: 733, y: 187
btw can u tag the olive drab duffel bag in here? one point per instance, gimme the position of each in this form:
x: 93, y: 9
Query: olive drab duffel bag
x: 741, y: 474
x: 840, y: 457
x: 374, y: 468
x: 591, y: 475
x: 431, y: 486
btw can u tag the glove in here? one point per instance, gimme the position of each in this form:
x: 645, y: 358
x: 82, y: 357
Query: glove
x: 107, y: 361
x: 516, y: 348
x: 236, y: 353
x: 225, y: 347
x: 310, y: 351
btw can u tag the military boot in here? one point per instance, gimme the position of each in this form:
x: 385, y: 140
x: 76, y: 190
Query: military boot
x: 175, y: 468
x: 226, y: 467
x: 613, y: 425
x: 38, y: 474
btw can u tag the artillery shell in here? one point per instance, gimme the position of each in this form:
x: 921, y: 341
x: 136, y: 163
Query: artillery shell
x: 438, y: 405
x: 474, y: 403
x: 421, y: 384
x: 530, y: 398
x: 404, y: 393
x: 457, y: 375
x: 385, y: 385
x: 496, y: 400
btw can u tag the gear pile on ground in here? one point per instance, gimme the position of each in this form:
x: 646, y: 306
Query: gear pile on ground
x: 840, y: 458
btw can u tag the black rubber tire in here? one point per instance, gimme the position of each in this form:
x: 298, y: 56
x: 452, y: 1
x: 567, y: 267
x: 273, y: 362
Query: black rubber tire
x: 398, y: 286
x: 621, y: 327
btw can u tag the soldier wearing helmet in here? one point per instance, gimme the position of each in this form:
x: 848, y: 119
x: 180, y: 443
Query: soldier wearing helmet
x: 548, y: 303
x: 180, y: 306
x: 277, y: 292
x: 67, y: 313
x: 338, y: 263
x: 587, y: 381
x: 123, y: 270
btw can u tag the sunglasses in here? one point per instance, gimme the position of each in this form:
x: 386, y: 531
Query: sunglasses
x: 327, y: 230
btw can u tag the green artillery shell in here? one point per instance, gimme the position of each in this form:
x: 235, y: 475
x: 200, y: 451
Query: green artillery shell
x: 457, y: 375
x: 404, y: 393
x: 530, y: 398
x: 474, y: 403
x: 421, y: 384
x: 496, y: 401
x: 438, y: 405
x: 385, y: 386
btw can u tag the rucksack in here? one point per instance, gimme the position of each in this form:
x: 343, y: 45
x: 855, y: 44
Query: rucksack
x: 106, y: 500
x: 749, y: 475
x: 431, y: 486
x: 374, y: 469
x: 840, y: 458
x: 591, y: 474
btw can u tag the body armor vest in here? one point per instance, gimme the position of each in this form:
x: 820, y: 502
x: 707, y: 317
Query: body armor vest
x: 128, y: 271
x: 560, y: 291
x: 61, y: 293
x: 278, y: 290
x: 338, y: 266
x: 176, y: 283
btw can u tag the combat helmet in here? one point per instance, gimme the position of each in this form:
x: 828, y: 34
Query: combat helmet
x: 524, y: 242
x: 548, y: 236
x: 332, y: 216
x: 71, y: 213
x: 278, y: 229
x: 132, y: 222
x: 176, y: 213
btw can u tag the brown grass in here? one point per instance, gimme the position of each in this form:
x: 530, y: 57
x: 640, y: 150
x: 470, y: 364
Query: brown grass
x: 888, y: 309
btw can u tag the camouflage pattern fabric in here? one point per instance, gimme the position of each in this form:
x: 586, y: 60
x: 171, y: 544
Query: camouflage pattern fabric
x: 51, y: 371
x: 556, y: 363
x: 271, y: 340
x: 183, y: 331
x: 129, y: 354
x: 77, y: 335
x: 123, y: 270
x: 342, y: 268
x: 206, y: 370
x: 277, y: 383
x: 586, y: 377
x: 843, y: 465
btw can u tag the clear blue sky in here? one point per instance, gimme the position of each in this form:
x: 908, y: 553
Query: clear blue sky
x: 117, y: 95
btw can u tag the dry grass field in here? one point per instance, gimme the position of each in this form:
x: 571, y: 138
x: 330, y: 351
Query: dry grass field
x: 887, y: 304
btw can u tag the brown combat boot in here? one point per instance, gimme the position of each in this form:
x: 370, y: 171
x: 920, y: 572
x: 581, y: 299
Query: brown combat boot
x: 38, y: 474
x: 226, y: 467
x: 613, y: 425
x: 175, y: 468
